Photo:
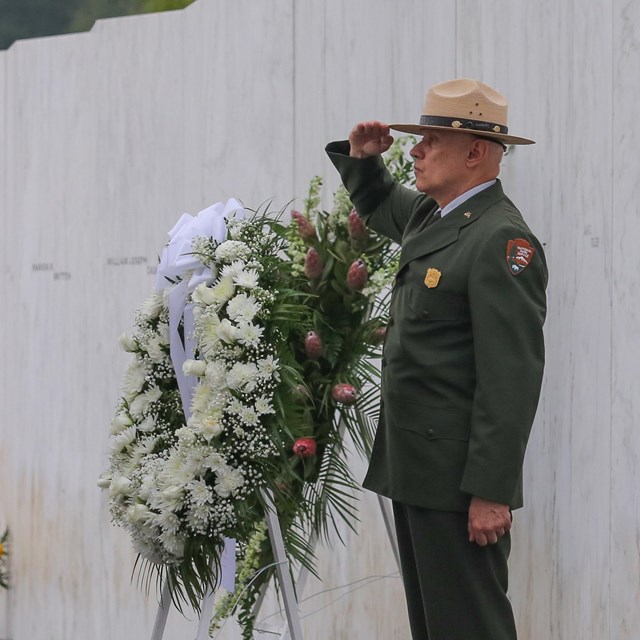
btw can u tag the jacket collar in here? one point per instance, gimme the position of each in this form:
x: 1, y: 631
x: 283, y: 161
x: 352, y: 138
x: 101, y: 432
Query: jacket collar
x: 431, y: 237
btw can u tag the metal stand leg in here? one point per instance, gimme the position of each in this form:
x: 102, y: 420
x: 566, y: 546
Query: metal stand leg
x: 387, y: 516
x: 282, y: 568
x: 163, y: 612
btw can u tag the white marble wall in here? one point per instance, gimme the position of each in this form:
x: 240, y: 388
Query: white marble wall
x: 106, y: 137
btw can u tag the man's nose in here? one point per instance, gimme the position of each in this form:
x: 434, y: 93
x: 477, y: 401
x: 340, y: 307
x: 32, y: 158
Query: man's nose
x: 415, y: 151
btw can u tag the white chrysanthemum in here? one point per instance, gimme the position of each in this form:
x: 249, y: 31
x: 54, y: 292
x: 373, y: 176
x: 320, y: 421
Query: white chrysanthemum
x: 226, y: 331
x: 174, y: 544
x: 249, y: 416
x: 169, y: 499
x: 120, y: 423
x: 242, y: 376
x: 134, y: 380
x: 248, y: 279
x: 163, y: 333
x: 204, y: 295
x: 148, y: 424
x: 202, y: 397
x: 214, y: 461
x: 233, y: 269
x: 140, y: 404
x: 249, y: 334
x: 228, y: 482
x: 155, y: 350
x: 210, y: 426
x: 167, y: 521
x: 216, y: 375
x: 123, y: 440
x: 232, y: 250
x: 264, y: 406
x: 223, y: 290
x: 269, y: 368
x: 243, y: 307
x: 137, y: 514
x: 207, y: 331
x: 152, y: 306
x: 200, y: 493
x: 120, y: 486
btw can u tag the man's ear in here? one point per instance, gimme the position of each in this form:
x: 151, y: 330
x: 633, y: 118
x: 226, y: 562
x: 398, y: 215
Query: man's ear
x: 478, y: 151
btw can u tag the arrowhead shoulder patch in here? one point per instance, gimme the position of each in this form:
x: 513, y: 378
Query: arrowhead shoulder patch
x: 519, y: 255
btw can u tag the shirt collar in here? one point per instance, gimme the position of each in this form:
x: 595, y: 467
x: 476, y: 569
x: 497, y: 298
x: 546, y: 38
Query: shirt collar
x: 465, y: 196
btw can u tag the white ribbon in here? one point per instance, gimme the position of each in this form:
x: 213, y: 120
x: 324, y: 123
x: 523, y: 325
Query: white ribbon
x: 178, y: 261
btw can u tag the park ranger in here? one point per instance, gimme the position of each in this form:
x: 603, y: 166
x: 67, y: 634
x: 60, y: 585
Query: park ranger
x: 463, y: 355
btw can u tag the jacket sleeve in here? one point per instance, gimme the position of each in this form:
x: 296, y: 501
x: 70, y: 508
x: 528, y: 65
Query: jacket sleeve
x: 385, y: 205
x: 507, y: 315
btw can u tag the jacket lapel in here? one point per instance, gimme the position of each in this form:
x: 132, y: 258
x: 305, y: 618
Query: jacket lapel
x: 432, y: 237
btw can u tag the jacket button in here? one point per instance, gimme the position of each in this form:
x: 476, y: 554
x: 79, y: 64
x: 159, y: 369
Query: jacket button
x: 426, y: 314
x: 431, y: 433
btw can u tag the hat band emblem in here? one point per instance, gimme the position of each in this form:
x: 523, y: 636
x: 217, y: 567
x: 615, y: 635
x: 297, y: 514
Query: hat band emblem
x: 474, y: 125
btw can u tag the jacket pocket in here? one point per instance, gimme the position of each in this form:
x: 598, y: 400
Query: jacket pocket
x: 434, y: 306
x: 432, y: 423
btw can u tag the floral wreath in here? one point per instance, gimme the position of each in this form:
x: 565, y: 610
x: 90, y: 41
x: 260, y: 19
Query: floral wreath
x: 285, y: 321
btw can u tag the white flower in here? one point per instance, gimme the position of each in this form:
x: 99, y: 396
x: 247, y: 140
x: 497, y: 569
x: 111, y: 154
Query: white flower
x: 147, y: 425
x: 128, y: 343
x: 137, y: 513
x: 249, y: 416
x: 155, y: 350
x: 242, y: 375
x: 243, y: 307
x: 202, y: 397
x: 210, y: 427
x: 123, y: 440
x: 216, y: 375
x: 226, y: 331
x: 120, y: 423
x: 152, y: 306
x: 104, y: 481
x: 163, y: 333
x: 233, y: 269
x: 134, y: 380
x: 249, y: 334
x: 171, y: 498
x: 263, y: 405
x: 120, y: 486
x: 232, y: 250
x: 223, y: 290
x: 200, y: 493
x: 207, y: 330
x: 140, y: 404
x: 228, y: 482
x: 268, y: 368
x: 203, y: 294
x: 194, y: 367
x: 247, y: 279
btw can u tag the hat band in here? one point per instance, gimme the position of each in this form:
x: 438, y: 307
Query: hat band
x: 475, y: 125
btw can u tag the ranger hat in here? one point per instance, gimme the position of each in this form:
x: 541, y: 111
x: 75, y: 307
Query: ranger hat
x: 464, y: 105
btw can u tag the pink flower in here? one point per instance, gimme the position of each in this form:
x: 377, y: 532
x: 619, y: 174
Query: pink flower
x: 344, y: 394
x: 357, y: 276
x: 313, y: 265
x: 304, y: 447
x: 305, y: 227
x: 357, y: 231
x: 313, y: 346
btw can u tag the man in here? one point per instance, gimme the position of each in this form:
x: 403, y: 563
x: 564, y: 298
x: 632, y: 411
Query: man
x: 463, y: 356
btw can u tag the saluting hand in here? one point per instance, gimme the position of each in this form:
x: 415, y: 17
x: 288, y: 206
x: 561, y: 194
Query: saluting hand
x: 488, y: 521
x: 369, y: 139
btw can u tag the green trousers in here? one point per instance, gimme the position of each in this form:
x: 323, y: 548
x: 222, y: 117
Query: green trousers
x: 455, y: 589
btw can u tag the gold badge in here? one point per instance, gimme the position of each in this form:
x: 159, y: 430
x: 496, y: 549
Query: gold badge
x: 496, y: 129
x: 456, y: 124
x: 467, y: 214
x: 432, y: 278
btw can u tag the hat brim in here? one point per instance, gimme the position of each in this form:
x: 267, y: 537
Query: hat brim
x: 419, y: 129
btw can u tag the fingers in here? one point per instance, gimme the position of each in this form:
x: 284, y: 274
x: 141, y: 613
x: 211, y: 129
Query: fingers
x: 369, y: 138
x: 372, y: 129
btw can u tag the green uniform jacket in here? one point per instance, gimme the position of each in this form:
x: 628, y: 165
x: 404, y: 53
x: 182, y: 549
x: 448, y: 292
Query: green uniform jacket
x: 463, y: 358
